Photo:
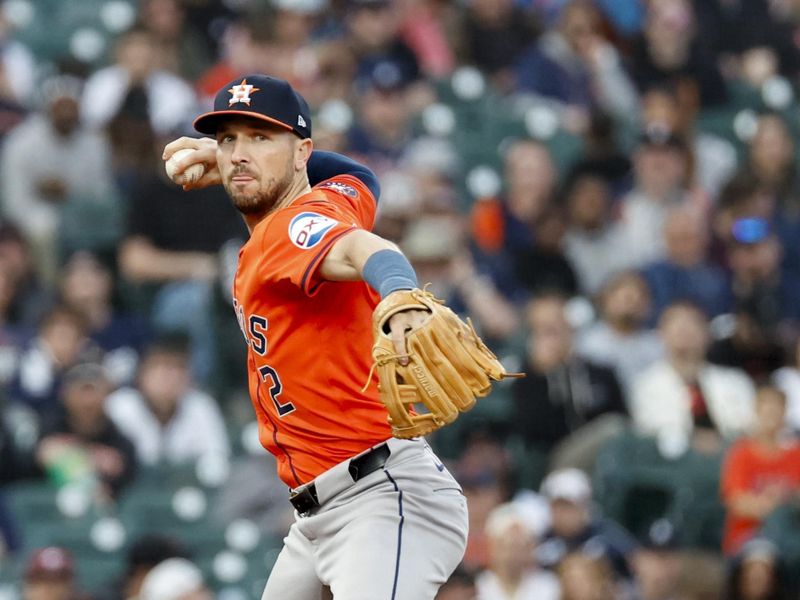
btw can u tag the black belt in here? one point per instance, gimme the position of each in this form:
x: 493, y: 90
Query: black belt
x: 306, y: 499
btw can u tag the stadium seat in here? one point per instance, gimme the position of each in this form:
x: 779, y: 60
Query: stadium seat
x: 9, y: 572
x: 636, y: 485
x: 635, y: 494
x: 54, y: 23
x: 529, y: 465
x: 33, y: 501
x: 782, y: 527
x: 87, y: 224
x: 489, y: 414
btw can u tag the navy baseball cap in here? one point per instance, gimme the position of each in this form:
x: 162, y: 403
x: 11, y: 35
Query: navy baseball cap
x: 261, y: 97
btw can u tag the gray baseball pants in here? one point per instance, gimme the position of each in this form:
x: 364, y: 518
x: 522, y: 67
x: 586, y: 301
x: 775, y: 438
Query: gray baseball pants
x: 396, y: 534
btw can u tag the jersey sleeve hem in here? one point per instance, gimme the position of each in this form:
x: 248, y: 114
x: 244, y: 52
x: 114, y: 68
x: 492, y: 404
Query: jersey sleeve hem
x: 308, y: 283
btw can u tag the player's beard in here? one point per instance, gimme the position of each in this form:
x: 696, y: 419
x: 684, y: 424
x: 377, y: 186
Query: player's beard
x: 267, y: 196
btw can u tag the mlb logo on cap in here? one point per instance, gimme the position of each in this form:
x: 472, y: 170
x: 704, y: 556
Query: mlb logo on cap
x: 241, y: 93
x: 260, y: 97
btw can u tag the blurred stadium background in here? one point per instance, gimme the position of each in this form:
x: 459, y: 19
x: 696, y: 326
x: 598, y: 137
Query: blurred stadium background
x: 608, y: 188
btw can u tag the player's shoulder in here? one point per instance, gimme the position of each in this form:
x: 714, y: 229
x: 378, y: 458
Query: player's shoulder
x: 316, y: 203
x: 340, y: 201
x: 304, y: 223
x: 346, y: 187
x: 339, y: 198
x: 332, y: 194
x: 343, y: 185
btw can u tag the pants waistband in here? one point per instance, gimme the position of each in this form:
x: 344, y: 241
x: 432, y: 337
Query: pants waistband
x: 340, y: 477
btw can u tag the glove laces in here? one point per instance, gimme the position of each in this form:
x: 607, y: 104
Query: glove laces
x: 379, y: 362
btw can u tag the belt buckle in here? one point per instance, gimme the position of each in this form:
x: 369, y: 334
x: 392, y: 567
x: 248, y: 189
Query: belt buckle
x: 304, y: 500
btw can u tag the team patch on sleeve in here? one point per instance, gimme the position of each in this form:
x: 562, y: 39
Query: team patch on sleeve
x: 340, y: 188
x: 307, y: 229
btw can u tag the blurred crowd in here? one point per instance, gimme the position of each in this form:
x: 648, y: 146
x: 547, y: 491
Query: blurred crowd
x: 608, y: 188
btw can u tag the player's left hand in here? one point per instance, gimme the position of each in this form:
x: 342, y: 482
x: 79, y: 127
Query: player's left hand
x: 402, y: 323
x: 426, y: 355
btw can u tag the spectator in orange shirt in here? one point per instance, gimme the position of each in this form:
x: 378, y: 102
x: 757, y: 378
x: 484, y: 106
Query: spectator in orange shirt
x: 761, y: 471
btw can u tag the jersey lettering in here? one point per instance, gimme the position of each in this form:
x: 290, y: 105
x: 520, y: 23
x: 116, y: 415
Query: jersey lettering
x: 255, y: 334
x: 257, y: 329
x: 237, y: 308
x: 270, y: 376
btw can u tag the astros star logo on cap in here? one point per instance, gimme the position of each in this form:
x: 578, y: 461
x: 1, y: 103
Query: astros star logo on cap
x: 241, y: 93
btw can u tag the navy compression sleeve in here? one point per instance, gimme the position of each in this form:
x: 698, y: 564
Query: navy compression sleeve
x: 387, y: 271
x: 323, y: 165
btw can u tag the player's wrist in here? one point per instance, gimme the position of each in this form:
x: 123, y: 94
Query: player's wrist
x: 388, y: 271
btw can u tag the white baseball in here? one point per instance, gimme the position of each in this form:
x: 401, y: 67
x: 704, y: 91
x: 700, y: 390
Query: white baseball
x: 191, y: 174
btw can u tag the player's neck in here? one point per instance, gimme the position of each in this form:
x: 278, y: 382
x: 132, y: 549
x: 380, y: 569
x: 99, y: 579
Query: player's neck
x: 299, y: 187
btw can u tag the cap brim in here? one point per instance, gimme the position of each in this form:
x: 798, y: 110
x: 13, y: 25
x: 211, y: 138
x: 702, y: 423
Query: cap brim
x: 207, y: 123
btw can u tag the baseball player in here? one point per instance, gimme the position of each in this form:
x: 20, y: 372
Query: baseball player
x: 376, y: 517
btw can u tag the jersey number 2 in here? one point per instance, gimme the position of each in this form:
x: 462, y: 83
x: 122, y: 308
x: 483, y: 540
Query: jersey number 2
x: 270, y: 376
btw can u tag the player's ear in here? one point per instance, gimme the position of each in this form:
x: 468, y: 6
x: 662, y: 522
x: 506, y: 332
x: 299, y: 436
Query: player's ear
x: 302, y: 153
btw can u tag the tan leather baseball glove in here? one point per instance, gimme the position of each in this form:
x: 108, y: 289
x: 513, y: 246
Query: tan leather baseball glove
x: 448, y: 367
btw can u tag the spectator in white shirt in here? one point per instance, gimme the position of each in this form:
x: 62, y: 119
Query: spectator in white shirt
x: 661, y: 172
x: 685, y: 397
x: 513, y: 573
x: 136, y: 78
x: 788, y: 379
x: 39, y: 174
x: 595, y: 244
x: 620, y: 340
x: 166, y: 418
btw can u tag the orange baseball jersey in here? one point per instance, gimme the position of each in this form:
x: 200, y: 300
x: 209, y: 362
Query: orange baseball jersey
x: 309, y: 341
x: 749, y: 469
